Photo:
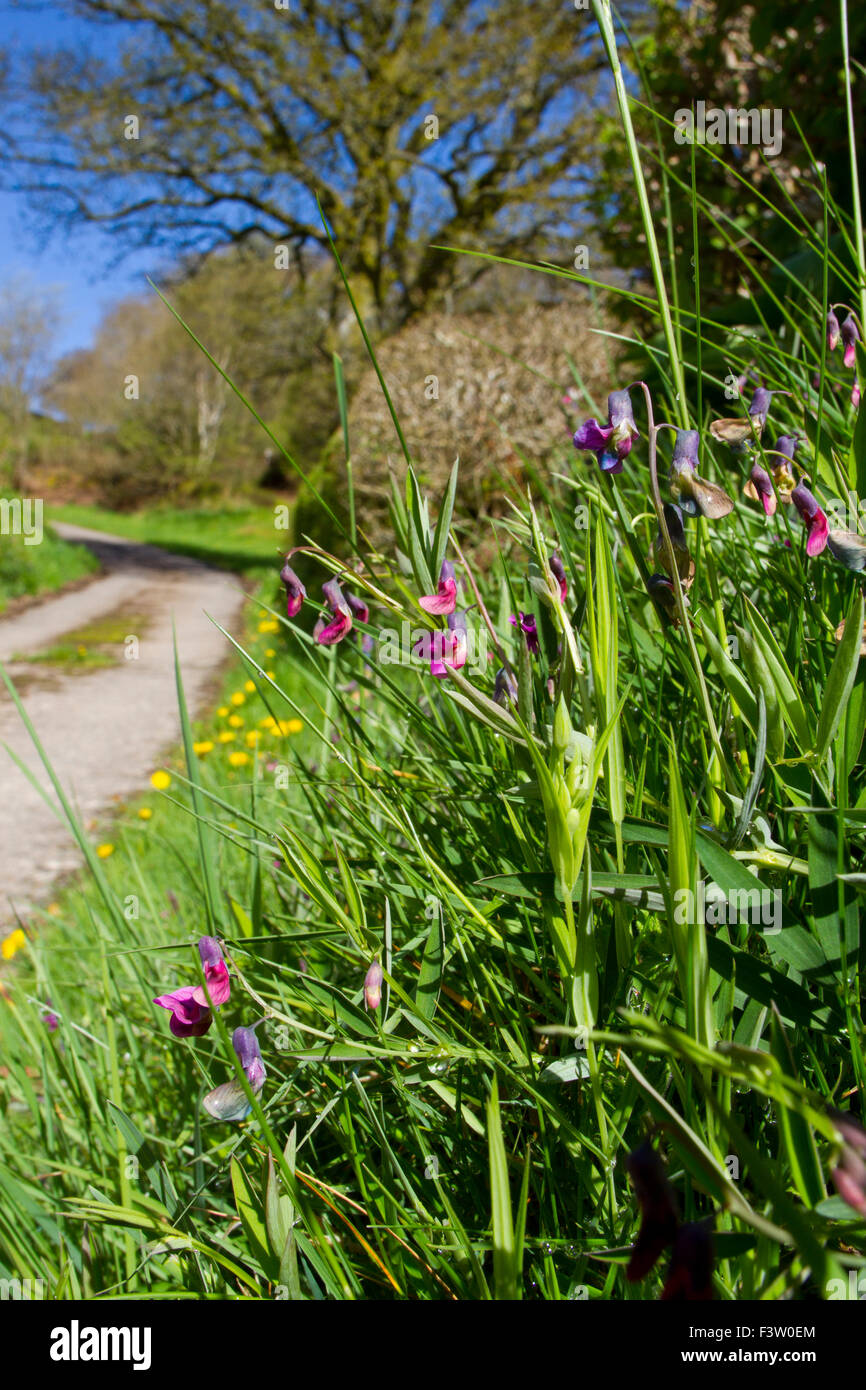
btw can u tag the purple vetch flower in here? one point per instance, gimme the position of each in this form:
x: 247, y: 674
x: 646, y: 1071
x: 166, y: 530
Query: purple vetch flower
x: 759, y: 408
x: 49, y: 1018
x: 695, y: 495
x: 832, y: 331
x: 358, y: 607
x: 849, y: 1175
x: 557, y: 569
x: 444, y: 600
x: 229, y: 1101
x: 813, y: 518
x: 661, y: 591
x: 738, y: 433
x: 613, y: 442
x: 848, y: 548
x: 855, y: 394
x: 690, y: 1277
x: 787, y: 445
x: 295, y: 591
x: 657, y: 1207
x: 505, y: 687
x: 329, y: 633
x: 373, y: 986
x: 760, y: 489
x: 658, y: 550
x: 526, y: 623
x: 850, y: 335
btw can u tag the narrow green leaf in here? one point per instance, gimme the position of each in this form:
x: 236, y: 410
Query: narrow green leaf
x: 840, y: 679
x: 505, y: 1273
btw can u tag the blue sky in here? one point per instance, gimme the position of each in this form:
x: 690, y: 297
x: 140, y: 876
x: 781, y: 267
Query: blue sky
x: 80, y: 268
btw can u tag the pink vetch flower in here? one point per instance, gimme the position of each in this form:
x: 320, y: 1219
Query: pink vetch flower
x: 760, y: 489
x: 813, y: 518
x: 216, y: 974
x: 373, y: 986
x: 849, y: 1175
x: 444, y: 600
x: 295, y: 591
x: 832, y: 331
x: 327, y: 634
x: 613, y: 442
x: 526, y: 623
x: 444, y: 649
x: 557, y: 569
x: 850, y: 335
x: 855, y: 394
x: 191, y: 1016
x: 188, y: 1018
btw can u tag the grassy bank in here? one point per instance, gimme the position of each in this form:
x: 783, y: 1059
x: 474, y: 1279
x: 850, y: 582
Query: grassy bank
x: 240, y: 538
x: 30, y: 570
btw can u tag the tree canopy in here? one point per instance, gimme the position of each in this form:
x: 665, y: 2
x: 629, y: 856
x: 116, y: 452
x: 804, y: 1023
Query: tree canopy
x: 418, y: 124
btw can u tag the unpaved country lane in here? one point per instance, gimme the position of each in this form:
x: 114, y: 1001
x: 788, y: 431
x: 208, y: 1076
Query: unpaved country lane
x: 105, y: 730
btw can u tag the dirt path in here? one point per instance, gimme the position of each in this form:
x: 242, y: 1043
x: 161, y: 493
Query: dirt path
x: 105, y: 730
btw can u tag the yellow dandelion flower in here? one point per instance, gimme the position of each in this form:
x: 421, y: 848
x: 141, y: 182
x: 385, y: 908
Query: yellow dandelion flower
x: 13, y: 943
x: 104, y: 851
x: 238, y: 698
x: 250, y: 687
x: 252, y: 738
x: 270, y: 675
x: 269, y: 625
x: 291, y: 726
x: 238, y: 759
x: 145, y: 813
x: 160, y: 780
x: 235, y: 721
x: 223, y: 711
x: 269, y: 723
x: 205, y: 746
x: 225, y: 737
x: 270, y: 652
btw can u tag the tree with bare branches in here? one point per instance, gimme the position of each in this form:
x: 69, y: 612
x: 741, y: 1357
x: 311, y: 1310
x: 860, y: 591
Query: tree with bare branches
x: 417, y: 124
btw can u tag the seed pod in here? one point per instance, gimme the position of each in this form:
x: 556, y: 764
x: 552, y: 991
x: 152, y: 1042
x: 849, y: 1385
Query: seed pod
x: 759, y: 673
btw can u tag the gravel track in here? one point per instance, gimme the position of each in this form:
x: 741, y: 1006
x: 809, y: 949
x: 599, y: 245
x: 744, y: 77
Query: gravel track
x: 106, y: 729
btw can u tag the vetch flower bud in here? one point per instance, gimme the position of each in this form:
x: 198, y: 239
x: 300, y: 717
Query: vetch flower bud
x: 327, y: 634
x: 561, y: 727
x: 850, y: 335
x: 295, y: 591
x: 373, y: 986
